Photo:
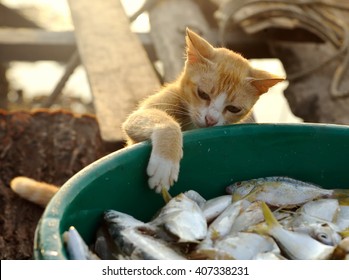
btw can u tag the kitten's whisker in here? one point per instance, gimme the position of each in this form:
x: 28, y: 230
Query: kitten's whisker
x: 180, y: 97
x: 183, y: 113
x: 187, y: 123
x: 176, y: 110
x: 171, y: 105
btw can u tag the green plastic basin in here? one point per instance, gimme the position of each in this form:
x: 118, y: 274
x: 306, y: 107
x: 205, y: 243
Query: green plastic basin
x: 213, y: 158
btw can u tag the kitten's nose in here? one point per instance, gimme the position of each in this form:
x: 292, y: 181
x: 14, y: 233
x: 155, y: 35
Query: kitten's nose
x: 210, y: 121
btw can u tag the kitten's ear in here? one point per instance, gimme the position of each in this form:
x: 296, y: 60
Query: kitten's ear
x: 263, y: 80
x: 198, y: 49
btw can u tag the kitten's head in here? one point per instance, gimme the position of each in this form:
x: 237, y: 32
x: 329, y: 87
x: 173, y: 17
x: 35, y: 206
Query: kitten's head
x: 219, y: 85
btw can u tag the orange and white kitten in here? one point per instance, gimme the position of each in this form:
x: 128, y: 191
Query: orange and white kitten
x: 217, y: 87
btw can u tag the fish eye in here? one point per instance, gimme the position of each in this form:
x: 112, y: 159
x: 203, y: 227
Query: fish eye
x: 203, y: 95
x: 323, y: 237
x: 233, y: 109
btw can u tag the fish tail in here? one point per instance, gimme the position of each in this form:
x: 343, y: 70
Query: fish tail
x: 343, y: 201
x: 269, y: 216
x: 340, y: 193
x: 37, y: 192
x: 345, y: 233
x: 166, y: 195
x: 235, y: 197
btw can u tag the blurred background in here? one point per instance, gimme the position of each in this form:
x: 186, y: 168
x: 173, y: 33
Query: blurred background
x: 30, y: 82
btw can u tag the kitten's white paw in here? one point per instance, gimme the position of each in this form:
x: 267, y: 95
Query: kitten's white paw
x: 162, y: 172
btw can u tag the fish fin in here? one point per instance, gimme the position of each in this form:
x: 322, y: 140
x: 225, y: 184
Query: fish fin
x: 269, y: 216
x: 343, y: 201
x: 341, y: 195
x: 166, y: 195
x: 250, y: 196
x: 235, y: 197
x: 261, y: 228
x: 215, y: 234
x: 344, y: 233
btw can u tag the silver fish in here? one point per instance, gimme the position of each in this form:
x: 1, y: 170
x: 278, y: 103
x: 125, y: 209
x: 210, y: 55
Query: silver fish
x: 104, y: 246
x: 76, y: 247
x: 135, y: 239
x: 296, y: 245
x: 278, y: 191
x: 321, y: 209
x: 139, y: 246
x: 183, y: 218
x: 222, y: 225
x: 121, y: 220
x: 323, y: 232
x: 239, y: 246
x: 215, y: 206
x: 342, y: 218
x: 195, y: 196
x: 219, y: 228
x: 315, y: 219
x: 246, y: 245
x: 250, y: 216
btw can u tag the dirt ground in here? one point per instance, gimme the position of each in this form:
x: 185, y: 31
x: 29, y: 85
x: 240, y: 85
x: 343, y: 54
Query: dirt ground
x: 49, y: 146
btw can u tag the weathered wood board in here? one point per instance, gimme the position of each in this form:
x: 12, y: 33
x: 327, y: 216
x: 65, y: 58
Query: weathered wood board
x: 169, y: 20
x: 11, y: 18
x: 32, y: 44
x: 118, y: 69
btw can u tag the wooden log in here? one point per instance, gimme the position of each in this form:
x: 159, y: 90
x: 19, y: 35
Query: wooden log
x: 118, y: 69
x: 168, y: 20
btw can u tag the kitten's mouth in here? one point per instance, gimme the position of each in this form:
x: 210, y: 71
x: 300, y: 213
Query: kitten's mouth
x: 207, y: 122
x: 199, y: 124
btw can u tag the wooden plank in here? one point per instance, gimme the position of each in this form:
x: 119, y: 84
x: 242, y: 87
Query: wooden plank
x: 31, y: 44
x: 11, y: 18
x: 168, y: 20
x: 118, y: 69
x: 35, y: 36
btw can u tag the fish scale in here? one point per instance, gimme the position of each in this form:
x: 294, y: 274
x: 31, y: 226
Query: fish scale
x: 278, y: 191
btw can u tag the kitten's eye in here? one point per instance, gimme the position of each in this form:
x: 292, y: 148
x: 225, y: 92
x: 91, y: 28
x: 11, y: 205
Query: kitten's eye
x: 203, y: 95
x: 233, y: 109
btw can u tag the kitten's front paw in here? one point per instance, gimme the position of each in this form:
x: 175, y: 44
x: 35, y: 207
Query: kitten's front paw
x: 162, y: 172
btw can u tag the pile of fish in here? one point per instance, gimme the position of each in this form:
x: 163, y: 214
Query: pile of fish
x: 267, y: 218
